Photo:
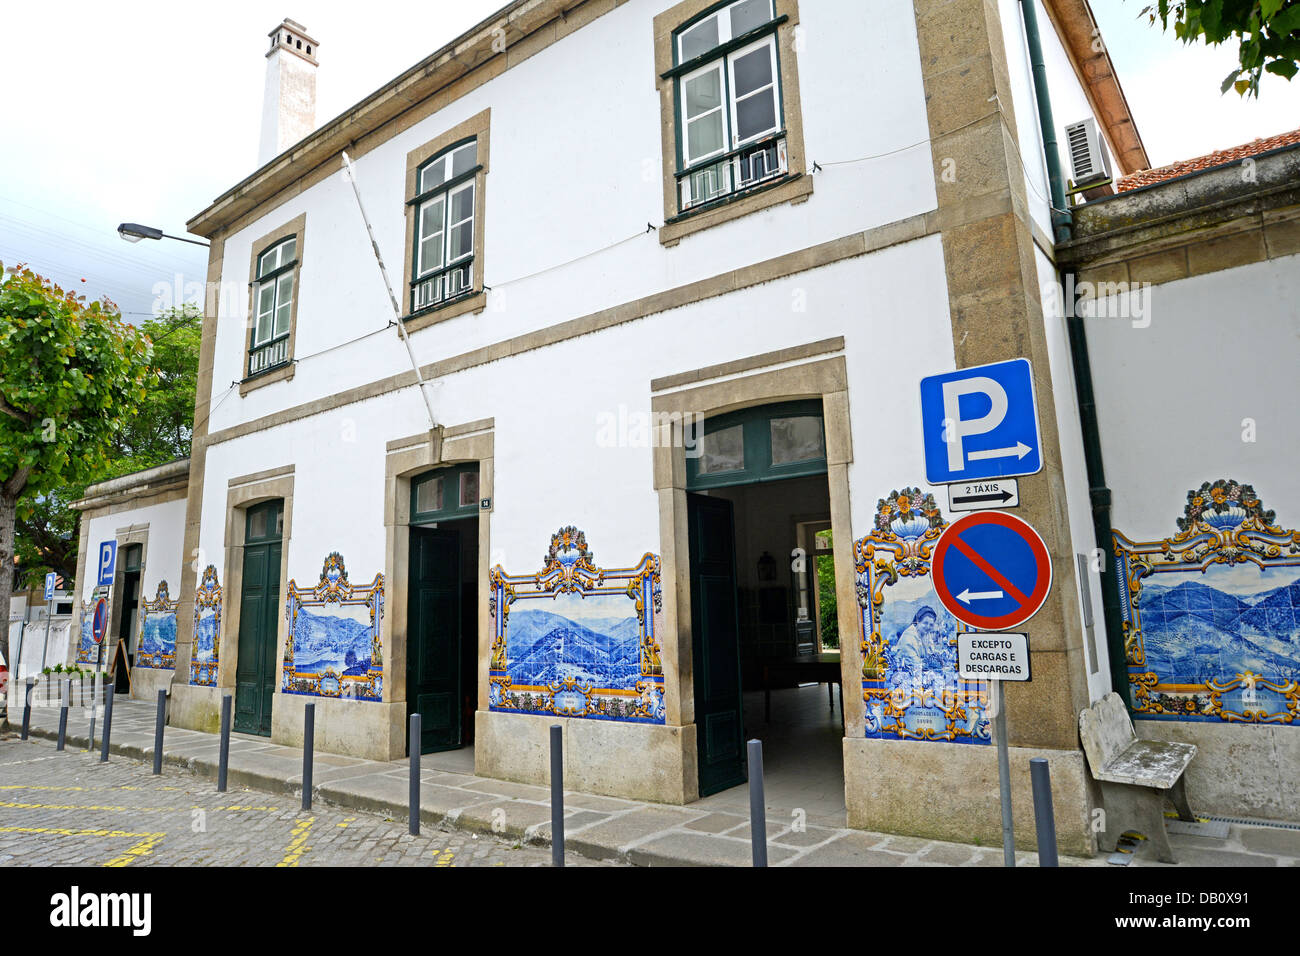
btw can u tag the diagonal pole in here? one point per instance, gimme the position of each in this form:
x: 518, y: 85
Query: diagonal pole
x: 349, y: 171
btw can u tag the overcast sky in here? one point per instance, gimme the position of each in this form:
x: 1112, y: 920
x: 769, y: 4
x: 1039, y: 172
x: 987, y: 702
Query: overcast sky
x: 146, y: 111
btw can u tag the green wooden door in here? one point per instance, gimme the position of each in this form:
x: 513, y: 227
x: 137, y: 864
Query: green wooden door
x: 259, y: 613
x: 433, y: 664
x: 715, y: 640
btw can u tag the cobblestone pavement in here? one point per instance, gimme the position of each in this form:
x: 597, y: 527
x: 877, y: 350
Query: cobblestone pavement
x: 67, y: 809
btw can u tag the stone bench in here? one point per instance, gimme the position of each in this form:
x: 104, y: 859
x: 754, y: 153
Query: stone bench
x: 1136, y: 776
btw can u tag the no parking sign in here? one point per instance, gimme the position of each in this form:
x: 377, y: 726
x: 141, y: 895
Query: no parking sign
x: 991, y: 570
x: 99, y: 623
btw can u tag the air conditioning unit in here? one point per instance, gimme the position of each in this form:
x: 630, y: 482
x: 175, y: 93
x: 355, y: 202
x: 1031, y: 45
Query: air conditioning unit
x: 1088, y: 157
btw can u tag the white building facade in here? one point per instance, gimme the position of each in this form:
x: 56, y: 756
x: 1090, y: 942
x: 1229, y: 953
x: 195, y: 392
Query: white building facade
x: 671, y: 275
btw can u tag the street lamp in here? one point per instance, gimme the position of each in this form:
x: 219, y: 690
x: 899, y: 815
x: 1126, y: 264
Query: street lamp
x: 134, y: 232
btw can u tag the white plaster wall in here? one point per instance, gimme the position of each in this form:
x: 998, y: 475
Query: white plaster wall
x: 1083, y: 537
x: 162, y: 558
x: 1172, y: 397
x: 288, y: 103
x: 1069, y: 102
x: 575, y: 167
x: 550, y: 470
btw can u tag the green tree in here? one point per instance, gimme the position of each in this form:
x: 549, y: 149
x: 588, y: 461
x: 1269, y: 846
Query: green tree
x: 161, y: 429
x: 45, y: 533
x: 830, y: 624
x: 1267, y: 32
x: 47, y: 526
x: 71, y: 375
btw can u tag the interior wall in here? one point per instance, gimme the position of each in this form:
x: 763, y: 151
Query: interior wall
x: 766, y: 518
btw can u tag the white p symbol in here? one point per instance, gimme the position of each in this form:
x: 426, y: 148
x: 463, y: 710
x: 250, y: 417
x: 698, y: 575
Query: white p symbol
x: 958, y: 428
x: 105, y: 559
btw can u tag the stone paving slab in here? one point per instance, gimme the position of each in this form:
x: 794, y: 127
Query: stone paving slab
x: 808, y: 837
x: 574, y: 822
x: 590, y: 801
x: 506, y: 788
x: 509, y: 818
x: 716, y: 822
x: 711, y: 832
x: 1273, y: 841
x: 695, y: 849
x: 611, y: 838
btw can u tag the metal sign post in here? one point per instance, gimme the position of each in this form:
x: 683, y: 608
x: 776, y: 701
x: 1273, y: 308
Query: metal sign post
x: 997, y: 657
x: 1004, y: 772
x: 45, y: 644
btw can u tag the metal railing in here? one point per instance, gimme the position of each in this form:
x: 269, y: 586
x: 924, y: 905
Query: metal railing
x: 451, y: 283
x: 734, y: 172
x: 264, y: 357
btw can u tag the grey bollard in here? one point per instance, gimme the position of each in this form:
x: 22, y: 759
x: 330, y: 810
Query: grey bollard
x: 63, y: 713
x: 557, y: 795
x: 1041, y: 778
x: 223, y: 758
x: 757, y: 805
x: 27, y: 709
x: 94, y: 706
x: 308, y: 744
x: 158, y: 732
x: 108, y: 724
x: 413, y: 801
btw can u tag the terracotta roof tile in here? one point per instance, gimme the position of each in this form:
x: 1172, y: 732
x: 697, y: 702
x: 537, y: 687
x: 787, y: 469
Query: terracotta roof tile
x: 1222, y: 157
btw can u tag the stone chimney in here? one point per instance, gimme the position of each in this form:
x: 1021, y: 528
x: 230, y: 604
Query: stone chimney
x: 289, y: 106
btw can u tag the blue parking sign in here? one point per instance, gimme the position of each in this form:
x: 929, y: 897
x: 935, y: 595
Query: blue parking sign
x: 980, y: 422
x: 107, y: 559
x: 50, y: 578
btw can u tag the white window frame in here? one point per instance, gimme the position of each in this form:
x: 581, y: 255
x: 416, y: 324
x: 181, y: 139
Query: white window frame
x: 276, y: 271
x: 718, y: 66
x: 444, y: 274
x: 724, y: 26
x: 774, y: 86
x: 706, y: 183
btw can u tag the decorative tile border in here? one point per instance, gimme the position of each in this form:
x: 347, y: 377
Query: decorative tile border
x: 909, y: 640
x: 207, y: 630
x: 1211, y: 615
x: 567, y: 642
x: 156, y: 645
x: 86, y: 647
x: 334, y: 644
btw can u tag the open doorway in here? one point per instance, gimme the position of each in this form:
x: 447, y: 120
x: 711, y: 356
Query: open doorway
x: 758, y: 505
x: 129, y: 615
x: 442, y: 612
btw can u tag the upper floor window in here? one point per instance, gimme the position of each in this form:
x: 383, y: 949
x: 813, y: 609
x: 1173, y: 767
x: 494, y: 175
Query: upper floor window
x: 443, y: 259
x: 445, y: 494
x: 733, y: 136
x: 767, y: 443
x: 730, y: 130
x: 273, y: 306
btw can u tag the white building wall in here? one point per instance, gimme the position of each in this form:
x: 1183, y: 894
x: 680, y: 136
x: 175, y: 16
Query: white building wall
x: 1175, y: 399
x: 162, y: 559
x: 1083, y: 537
x: 575, y: 167
x: 549, y: 467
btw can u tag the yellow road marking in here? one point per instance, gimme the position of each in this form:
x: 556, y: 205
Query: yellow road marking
x: 345, y: 822
x: 83, y: 831
x: 143, y: 848
x: 296, y: 847
x: 78, y: 806
x: 445, y: 859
